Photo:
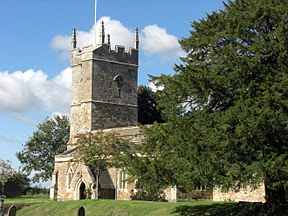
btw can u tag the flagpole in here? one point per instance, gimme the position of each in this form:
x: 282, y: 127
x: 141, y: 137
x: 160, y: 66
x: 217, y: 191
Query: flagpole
x: 95, y: 22
x: 95, y: 12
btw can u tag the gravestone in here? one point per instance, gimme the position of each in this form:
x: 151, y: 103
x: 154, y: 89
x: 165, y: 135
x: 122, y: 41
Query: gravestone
x: 81, y: 211
x: 12, y: 211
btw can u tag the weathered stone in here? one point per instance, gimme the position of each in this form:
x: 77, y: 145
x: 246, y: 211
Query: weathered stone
x: 245, y: 194
x: 99, y: 101
x: 12, y: 211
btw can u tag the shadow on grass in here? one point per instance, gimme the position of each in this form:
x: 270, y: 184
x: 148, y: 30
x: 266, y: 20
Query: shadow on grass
x: 232, y: 209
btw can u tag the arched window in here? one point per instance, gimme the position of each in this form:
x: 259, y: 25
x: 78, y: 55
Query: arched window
x: 122, y: 180
x: 118, y: 80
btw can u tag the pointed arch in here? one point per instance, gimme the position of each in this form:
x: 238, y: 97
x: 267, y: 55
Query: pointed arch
x: 79, y: 188
x: 82, y: 191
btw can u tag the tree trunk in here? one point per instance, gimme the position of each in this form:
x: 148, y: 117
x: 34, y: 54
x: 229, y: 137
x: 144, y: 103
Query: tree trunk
x: 274, y: 195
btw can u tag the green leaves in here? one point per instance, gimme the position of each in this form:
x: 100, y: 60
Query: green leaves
x: 102, y: 150
x: 50, y: 139
x: 147, y: 107
x: 6, y: 171
x: 226, y: 105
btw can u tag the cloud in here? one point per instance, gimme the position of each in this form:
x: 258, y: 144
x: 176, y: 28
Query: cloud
x: 154, y: 39
x: 28, y: 90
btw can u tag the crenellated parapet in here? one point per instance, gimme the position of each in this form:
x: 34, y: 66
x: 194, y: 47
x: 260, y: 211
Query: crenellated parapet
x: 119, y: 54
x: 104, y: 51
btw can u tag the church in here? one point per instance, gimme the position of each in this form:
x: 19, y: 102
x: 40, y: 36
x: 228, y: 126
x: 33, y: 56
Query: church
x: 104, y: 98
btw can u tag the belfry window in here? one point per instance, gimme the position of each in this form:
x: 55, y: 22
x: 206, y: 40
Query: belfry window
x: 118, y: 80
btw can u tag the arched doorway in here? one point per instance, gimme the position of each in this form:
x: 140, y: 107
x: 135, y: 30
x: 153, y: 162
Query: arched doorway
x: 82, y: 191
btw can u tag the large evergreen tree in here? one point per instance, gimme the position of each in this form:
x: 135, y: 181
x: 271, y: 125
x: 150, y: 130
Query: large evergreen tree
x: 227, y: 103
x: 147, y: 106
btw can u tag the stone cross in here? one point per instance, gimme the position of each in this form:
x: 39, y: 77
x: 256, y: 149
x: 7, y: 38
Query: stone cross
x: 81, y: 211
x: 12, y: 211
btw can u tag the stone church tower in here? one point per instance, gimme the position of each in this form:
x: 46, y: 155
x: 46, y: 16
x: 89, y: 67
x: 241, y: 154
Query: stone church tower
x: 104, y: 85
x: 104, y: 89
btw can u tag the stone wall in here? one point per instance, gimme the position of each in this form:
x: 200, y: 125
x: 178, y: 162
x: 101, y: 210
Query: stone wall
x: 245, y: 195
x: 80, y: 113
x: 194, y: 195
x: 104, y: 88
x: 107, y: 116
x: 67, y: 177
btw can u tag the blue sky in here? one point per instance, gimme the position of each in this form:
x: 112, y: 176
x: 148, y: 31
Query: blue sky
x: 34, y: 63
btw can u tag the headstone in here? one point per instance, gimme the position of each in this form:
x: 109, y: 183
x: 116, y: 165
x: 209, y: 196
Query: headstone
x: 12, y: 211
x: 81, y: 211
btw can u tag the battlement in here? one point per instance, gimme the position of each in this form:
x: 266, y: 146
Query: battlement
x: 105, y: 52
x: 119, y: 54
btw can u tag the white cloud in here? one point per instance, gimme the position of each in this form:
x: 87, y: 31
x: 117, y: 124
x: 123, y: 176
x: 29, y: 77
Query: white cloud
x: 154, y: 39
x: 157, y: 40
x: 28, y: 90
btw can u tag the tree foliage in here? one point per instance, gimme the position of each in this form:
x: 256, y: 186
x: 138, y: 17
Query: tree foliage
x: 16, y: 185
x: 147, y: 106
x: 50, y: 139
x: 12, y: 183
x: 101, y: 151
x: 6, y: 171
x: 227, y: 104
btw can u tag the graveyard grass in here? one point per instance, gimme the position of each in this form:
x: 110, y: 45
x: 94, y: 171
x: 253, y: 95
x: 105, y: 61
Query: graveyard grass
x: 41, y: 206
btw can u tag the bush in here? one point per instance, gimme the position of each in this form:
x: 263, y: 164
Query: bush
x: 16, y: 185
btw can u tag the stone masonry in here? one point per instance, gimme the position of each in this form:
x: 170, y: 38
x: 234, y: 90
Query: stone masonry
x: 104, y: 98
x: 245, y: 195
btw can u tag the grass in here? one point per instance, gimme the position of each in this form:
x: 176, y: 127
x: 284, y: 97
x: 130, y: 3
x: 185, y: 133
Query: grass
x: 43, y: 207
x: 27, y: 199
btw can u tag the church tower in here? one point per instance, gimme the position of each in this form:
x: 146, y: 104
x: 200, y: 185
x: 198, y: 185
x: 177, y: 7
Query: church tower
x: 104, y: 86
x: 104, y: 98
